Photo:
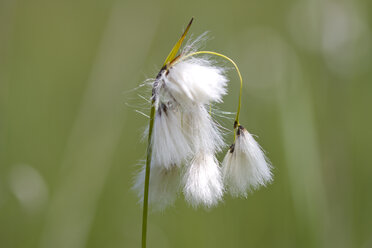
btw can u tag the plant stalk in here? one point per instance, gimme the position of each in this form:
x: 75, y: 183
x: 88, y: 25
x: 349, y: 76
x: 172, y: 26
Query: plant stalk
x: 147, y: 179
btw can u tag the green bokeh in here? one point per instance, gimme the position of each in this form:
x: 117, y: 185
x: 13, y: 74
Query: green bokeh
x: 70, y: 138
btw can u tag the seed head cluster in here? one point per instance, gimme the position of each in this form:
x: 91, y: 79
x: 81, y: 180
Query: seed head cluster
x: 185, y: 140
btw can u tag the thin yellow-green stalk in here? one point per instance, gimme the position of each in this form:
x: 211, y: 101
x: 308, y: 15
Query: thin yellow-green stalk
x: 147, y: 179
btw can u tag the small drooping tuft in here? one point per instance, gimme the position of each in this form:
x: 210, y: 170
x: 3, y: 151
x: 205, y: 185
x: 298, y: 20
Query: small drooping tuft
x: 245, y: 167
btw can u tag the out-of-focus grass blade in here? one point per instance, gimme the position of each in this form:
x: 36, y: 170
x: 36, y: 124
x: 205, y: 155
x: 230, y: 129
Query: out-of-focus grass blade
x: 176, y: 47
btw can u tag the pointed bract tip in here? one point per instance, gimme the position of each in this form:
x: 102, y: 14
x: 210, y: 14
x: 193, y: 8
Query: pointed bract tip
x: 177, y: 46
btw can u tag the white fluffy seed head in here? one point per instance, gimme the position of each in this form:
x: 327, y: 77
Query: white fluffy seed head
x: 185, y: 137
x: 170, y: 147
x: 182, y: 128
x: 203, y: 182
x: 196, y: 80
x: 245, y: 166
x: 163, y: 188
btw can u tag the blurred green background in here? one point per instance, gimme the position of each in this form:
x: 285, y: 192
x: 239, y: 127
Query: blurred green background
x: 70, y: 138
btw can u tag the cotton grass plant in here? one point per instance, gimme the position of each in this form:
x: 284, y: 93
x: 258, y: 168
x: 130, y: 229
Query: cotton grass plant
x: 183, y: 137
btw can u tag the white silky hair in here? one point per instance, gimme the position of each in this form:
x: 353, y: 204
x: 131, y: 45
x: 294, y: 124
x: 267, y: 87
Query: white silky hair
x: 170, y: 147
x: 163, y: 188
x: 193, y: 45
x: 202, y: 181
x: 196, y: 80
x: 202, y: 131
x: 245, y: 166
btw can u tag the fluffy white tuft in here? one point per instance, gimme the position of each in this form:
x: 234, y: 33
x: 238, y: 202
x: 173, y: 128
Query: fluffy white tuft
x: 169, y: 145
x: 245, y: 166
x: 203, y: 182
x: 196, y: 80
x: 163, y: 188
x: 202, y: 131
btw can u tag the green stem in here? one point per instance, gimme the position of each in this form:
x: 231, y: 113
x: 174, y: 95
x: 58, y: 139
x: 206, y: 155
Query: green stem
x: 147, y: 179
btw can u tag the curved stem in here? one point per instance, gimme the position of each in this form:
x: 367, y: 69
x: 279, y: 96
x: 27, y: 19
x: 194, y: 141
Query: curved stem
x: 147, y: 179
x: 236, y: 123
